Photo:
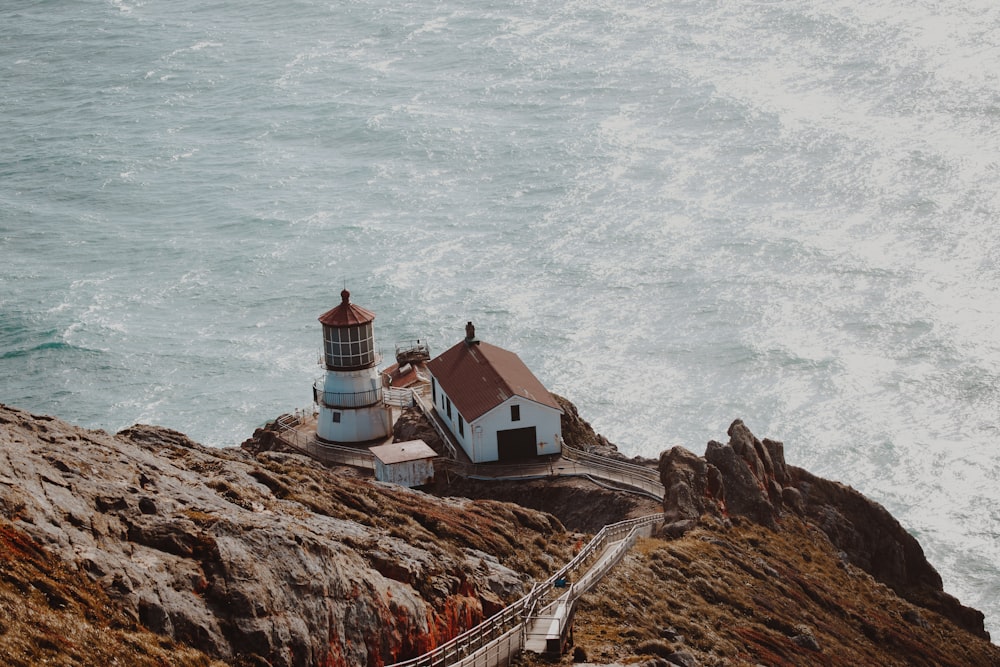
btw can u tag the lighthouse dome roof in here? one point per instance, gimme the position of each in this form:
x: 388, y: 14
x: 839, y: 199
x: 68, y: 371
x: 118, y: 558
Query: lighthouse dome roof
x: 346, y: 314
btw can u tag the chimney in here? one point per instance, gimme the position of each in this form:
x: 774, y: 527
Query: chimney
x: 470, y: 334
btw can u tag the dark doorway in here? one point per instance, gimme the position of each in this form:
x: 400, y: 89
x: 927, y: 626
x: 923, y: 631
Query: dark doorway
x: 516, y: 443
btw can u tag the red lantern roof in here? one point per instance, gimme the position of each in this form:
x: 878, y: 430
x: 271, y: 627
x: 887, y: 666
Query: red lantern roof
x: 346, y: 314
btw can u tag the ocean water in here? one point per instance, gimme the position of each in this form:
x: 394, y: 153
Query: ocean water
x: 677, y: 213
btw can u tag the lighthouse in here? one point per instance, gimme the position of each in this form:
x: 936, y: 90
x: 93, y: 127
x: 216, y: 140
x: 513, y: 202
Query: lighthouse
x: 349, y: 394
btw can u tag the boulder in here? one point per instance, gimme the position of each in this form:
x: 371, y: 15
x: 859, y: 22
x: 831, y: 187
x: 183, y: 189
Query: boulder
x: 746, y: 493
x: 690, y: 488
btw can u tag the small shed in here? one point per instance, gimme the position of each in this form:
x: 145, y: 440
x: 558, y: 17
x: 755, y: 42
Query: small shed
x: 408, y: 464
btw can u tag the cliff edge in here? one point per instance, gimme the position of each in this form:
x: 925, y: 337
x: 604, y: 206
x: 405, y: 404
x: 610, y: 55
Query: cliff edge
x: 749, y: 478
x: 147, y: 548
x: 145, y: 541
x: 762, y: 563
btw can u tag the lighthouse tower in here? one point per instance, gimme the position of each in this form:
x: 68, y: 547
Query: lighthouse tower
x: 349, y: 395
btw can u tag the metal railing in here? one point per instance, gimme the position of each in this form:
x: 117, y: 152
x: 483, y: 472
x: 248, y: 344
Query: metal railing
x: 626, y: 477
x: 327, y: 453
x: 620, y: 472
x: 412, y: 350
x: 428, y: 410
x: 494, y: 641
x: 399, y: 396
x: 632, y: 530
x: 357, y: 399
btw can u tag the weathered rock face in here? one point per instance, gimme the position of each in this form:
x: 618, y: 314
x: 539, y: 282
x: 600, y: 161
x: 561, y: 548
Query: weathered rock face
x: 265, y: 439
x: 740, y: 478
x: 693, y: 487
x: 749, y: 478
x: 270, y: 560
x: 577, y: 432
x: 874, y: 541
x: 737, y: 593
x: 413, y: 425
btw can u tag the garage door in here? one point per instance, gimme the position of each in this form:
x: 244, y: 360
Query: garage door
x: 516, y: 443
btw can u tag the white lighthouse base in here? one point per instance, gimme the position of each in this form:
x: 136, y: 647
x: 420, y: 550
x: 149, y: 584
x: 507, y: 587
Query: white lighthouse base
x: 355, y: 424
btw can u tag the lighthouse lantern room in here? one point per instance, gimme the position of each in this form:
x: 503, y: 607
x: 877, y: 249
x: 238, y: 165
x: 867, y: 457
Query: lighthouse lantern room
x: 349, y: 394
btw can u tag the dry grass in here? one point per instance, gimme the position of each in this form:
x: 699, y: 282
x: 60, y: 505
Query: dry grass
x: 51, y: 615
x: 739, y: 596
x: 524, y: 540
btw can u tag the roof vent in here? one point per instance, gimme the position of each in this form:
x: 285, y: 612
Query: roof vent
x: 470, y: 334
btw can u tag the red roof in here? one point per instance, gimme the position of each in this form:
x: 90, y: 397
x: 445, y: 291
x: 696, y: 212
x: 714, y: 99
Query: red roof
x: 398, y: 379
x: 477, y: 377
x: 346, y: 314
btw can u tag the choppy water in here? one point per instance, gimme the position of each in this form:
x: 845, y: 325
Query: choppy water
x: 678, y: 213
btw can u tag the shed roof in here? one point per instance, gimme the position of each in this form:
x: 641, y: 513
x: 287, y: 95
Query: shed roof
x: 478, y: 376
x: 401, y: 452
x: 346, y: 314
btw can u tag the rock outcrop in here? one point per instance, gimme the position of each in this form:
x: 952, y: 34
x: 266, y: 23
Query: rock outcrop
x: 413, y: 425
x: 738, y: 594
x: 577, y: 432
x: 749, y: 478
x: 267, y: 560
x: 873, y: 540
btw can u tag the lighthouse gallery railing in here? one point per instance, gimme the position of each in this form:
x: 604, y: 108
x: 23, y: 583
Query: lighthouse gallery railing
x: 346, y: 401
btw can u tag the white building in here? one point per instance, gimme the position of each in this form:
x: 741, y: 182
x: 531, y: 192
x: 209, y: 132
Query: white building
x: 349, y: 394
x: 408, y: 463
x: 493, y: 405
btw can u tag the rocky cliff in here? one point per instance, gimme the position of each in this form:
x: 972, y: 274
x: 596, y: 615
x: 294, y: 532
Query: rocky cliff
x: 749, y: 478
x: 146, y: 548
x: 266, y: 560
x: 762, y: 563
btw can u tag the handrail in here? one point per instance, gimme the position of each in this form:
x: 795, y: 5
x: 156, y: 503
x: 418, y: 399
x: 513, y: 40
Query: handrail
x: 412, y: 350
x: 428, y: 411
x: 497, y: 628
x: 576, y: 454
x: 354, y: 399
x: 645, y: 482
x: 328, y: 453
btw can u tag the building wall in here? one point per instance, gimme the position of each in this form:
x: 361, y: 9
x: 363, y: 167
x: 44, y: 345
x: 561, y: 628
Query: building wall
x: 543, y: 418
x: 347, y: 382
x: 408, y: 474
x: 361, y: 424
x: 479, y: 439
x: 355, y: 425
